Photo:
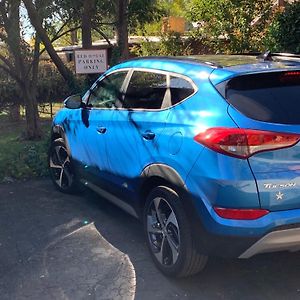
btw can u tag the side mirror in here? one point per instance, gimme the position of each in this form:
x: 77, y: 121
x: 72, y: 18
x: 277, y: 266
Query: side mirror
x: 73, y: 102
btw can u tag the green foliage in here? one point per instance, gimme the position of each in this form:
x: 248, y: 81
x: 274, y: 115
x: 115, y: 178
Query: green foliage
x: 9, y: 93
x: 284, y: 32
x: 150, y: 29
x: 143, y: 12
x: 51, y: 87
x: 176, y: 8
x: 21, y: 159
x: 231, y: 25
x: 170, y: 44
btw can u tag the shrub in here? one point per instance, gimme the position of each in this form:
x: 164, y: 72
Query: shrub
x: 170, y: 44
x: 284, y: 32
x: 232, y: 26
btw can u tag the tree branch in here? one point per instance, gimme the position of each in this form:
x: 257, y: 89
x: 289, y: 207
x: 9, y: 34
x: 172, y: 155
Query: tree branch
x: 109, y: 24
x: 64, y: 33
x: 11, y: 73
x: 62, y: 27
x: 42, y: 33
x: 102, y: 34
x: 59, y: 36
x: 7, y: 62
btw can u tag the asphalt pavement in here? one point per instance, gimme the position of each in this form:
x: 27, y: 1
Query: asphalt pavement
x: 57, y: 246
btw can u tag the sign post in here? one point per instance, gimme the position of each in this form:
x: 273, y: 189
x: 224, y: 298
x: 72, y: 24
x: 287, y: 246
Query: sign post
x: 91, y: 61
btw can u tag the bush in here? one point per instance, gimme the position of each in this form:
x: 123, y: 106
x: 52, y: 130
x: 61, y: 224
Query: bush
x: 9, y: 93
x: 232, y: 26
x: 284, y: 32
x: 52, y: 87
x: 20, y: 159
x: 170, y: 44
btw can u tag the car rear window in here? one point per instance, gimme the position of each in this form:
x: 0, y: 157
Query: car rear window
x: 269, y: 97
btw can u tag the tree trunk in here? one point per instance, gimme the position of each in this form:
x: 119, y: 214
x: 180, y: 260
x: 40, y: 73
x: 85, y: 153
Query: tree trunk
x: 32, y: 105
x: 37, y: 24
x: 33, y: 129
x: 28, y: 90
x: 14, y: 113
x: 122, y: 28
x: 86, y: 23
x: 74, y: 37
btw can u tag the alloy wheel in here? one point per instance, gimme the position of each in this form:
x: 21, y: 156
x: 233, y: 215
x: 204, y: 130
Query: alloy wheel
x: 60, y: 167
x: 163, y: 232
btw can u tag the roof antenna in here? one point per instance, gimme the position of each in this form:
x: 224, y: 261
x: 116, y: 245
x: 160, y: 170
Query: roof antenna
x: 267, y: 56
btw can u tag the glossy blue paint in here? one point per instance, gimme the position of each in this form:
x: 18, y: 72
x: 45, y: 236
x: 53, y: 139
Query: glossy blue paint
x: 119, y: 156
x: 280, y: 167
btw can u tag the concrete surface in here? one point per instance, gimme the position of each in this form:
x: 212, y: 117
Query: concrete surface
x: 56, y: 246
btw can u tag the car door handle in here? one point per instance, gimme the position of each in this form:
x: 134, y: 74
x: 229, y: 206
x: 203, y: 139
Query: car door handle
x: 148, y: 135
x: 101, y: 130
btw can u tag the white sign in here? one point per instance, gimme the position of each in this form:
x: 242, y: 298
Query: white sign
x: 90, y: 61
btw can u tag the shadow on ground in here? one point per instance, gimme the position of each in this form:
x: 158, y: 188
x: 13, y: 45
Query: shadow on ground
x: 56, y: 246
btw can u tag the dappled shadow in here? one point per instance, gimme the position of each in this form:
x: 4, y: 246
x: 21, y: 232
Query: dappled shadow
x: 56, y: 246
x: 268, y: 276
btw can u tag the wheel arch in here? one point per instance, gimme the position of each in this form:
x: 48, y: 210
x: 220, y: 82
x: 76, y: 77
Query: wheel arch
x: 59, y: 132
x: 159, y: 174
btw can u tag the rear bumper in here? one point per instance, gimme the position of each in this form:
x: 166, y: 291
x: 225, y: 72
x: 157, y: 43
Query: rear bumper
x: 281, y: 240
x: 222, y: 239
x: 216, y: 236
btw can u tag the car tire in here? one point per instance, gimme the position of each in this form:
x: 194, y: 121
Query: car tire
x: 169, y: 234
x: 61, y: 169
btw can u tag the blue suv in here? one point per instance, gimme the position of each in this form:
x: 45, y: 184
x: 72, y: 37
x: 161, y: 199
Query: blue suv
x: 207, y: 157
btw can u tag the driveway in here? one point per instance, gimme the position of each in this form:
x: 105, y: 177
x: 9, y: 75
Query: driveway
x: 56, y: 246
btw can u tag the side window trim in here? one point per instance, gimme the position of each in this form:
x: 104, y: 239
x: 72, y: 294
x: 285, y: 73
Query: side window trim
x: 168, y: 76
x: 124, y: 88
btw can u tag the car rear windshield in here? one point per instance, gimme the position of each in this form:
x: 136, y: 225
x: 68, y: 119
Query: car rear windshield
x: 269, y: 97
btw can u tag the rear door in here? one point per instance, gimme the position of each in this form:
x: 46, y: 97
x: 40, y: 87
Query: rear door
x: 271, y: 102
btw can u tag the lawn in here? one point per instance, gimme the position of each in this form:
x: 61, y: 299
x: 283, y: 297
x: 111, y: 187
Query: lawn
x: 21, y: 159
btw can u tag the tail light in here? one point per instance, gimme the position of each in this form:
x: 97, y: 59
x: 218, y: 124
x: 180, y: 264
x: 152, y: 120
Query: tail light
x: 242, y: 143
x: 240, y: 214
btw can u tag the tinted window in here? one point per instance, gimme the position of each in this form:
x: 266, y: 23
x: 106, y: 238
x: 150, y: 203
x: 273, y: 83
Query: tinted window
x: 107, y: 91
x: 146, y: 90
x: 270, y: 97
x: 180, y: 89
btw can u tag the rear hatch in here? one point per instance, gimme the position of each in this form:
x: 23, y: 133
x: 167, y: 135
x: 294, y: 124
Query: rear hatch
x: 271, y: 102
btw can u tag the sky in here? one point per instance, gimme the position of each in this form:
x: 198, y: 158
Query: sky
x: 25, y: 24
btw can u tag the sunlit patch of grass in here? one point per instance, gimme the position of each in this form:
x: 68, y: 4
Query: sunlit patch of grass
x: 20, y: 159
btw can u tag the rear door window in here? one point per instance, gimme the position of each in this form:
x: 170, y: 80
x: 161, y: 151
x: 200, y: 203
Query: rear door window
x: 146, y: 90
x: 269, y: 97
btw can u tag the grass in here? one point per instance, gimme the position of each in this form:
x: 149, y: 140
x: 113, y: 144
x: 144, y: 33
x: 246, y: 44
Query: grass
x: 21, y: 159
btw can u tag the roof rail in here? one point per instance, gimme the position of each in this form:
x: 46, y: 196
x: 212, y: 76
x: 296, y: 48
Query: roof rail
x: 180, y: 58
x: 268, y: 55
x: 290, y: 55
